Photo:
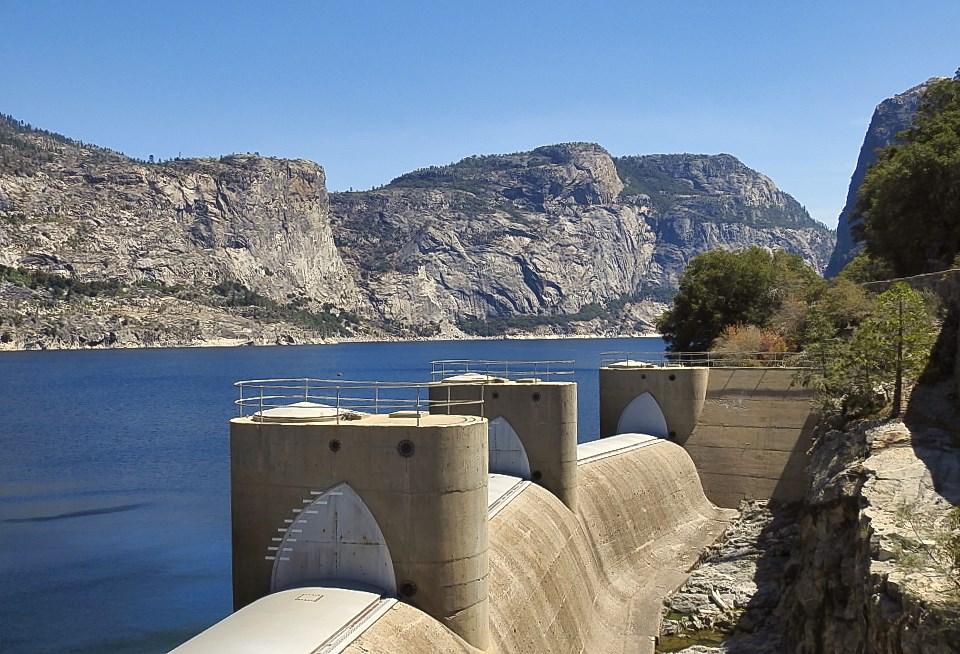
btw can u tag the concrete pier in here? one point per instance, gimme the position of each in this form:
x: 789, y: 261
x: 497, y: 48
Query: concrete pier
x: 423, y: 479
x: 747, y: 429
x: 542, y: 415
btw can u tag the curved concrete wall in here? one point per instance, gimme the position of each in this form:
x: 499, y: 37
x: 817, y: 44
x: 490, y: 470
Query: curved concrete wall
x: 593, y: 581
x: 424, y: 481
x: 678, y: 391
x: 544, y: 416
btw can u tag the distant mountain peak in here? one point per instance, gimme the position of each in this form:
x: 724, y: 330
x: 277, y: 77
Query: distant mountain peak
x: 891, y: 116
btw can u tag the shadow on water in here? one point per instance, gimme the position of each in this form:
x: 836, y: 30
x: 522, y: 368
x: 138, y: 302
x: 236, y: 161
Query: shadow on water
x: 76, y: 514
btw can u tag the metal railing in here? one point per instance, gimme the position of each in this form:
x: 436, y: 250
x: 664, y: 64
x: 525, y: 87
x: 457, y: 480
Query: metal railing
x: 441, y: 369
x: 706, y: 359
x: 337, y: 399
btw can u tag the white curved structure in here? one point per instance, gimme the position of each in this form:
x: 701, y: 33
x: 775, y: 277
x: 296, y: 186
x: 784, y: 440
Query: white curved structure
x: 334, y: 537
x: 507, y: 454
x: 643, y: 416
x: 309, y: 620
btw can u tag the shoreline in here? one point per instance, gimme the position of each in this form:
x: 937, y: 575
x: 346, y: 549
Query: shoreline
x: 236, y: 343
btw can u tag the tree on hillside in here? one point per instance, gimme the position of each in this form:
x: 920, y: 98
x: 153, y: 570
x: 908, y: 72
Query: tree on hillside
x: 909, y: 200
x: 886, y: 351
x: 864, y: 268
x: 720, y: 289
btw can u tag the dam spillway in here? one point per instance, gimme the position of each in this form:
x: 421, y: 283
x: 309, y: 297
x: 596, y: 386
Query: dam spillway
x: 520, y: 570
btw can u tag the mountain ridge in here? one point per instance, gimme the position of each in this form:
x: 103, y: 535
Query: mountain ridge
x: 260, y: 251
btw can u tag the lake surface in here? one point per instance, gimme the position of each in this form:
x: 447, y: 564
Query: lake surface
x: 114, y: 477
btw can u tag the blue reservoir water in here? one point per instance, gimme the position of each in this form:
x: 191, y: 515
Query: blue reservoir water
x: 114, y: 477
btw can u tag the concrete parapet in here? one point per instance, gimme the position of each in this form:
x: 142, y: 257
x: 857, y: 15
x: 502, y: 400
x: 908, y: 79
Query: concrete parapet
x: 542, y: 414
x: 424, y: 480
x: 679, y: 393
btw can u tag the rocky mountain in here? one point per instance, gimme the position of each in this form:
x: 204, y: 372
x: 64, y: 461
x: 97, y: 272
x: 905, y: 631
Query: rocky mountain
x: 100, y: 249
x: 556, y: 231
x: 168, y: 253
x: 891, y: 117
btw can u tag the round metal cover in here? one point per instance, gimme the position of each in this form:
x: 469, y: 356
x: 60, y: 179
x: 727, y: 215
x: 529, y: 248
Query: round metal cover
x: 301, y: 412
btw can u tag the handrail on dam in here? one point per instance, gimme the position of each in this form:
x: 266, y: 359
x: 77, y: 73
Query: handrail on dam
x: 332, y: 400
x: 705, y: 359
x: 443, y: 369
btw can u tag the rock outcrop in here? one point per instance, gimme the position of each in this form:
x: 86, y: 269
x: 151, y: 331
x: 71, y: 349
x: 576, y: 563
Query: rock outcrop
x: 555, y: 230
x: 247, y: 248
x: 872, y: 572
x: 891, y: 117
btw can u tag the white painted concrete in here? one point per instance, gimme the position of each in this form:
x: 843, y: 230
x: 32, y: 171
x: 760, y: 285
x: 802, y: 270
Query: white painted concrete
x: 643, y: 416
x: 310, y: 620
x: 605, y: 447
x: 507, y: 455
x: 500, y: 490
x: 334, y: 537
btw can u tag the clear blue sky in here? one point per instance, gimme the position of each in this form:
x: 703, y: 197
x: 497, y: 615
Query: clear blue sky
x: 371, y: 90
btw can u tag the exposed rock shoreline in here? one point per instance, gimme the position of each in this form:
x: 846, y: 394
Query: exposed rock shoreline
x: 859, y: 566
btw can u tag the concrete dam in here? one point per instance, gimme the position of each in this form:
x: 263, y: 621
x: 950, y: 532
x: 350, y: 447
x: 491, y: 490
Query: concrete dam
x: 462, y: 516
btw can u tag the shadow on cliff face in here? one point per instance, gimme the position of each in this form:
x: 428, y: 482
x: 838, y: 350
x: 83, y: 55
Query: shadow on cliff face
x: 933, y: 412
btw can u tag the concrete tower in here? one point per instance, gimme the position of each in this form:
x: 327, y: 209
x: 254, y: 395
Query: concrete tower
x: 658, y: 401
x: 397, y: 502
x: 533, y: 427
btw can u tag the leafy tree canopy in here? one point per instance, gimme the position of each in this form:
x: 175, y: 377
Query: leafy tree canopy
x: 889, y: 347
x: 909, y: 201
x: 720, y: 288
x: 865, y: 268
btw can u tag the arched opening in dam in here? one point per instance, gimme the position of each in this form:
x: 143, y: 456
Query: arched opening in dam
x: 643, y: 416
x: 334, y: 537
x: 507, y: 454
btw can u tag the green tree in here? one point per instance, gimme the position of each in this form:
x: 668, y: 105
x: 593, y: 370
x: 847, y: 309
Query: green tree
x: 909, y: 201
x: 865, y: 268
x: 720, y: 288
x: 888, y: 349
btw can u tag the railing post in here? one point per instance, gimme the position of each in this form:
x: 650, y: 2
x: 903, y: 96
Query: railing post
x: 338, y: 405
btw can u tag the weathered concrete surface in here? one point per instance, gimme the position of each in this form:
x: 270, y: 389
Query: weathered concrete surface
x: 747, y: 429
x: 408, y: 630
x: 544, y: 416
x: 592, y: 582
x: 753, y: 435
x: 431, y: 505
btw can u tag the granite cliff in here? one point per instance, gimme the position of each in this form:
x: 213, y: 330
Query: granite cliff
x: 563, y: 230
x: 891, y: 117
x: 98, y: 249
